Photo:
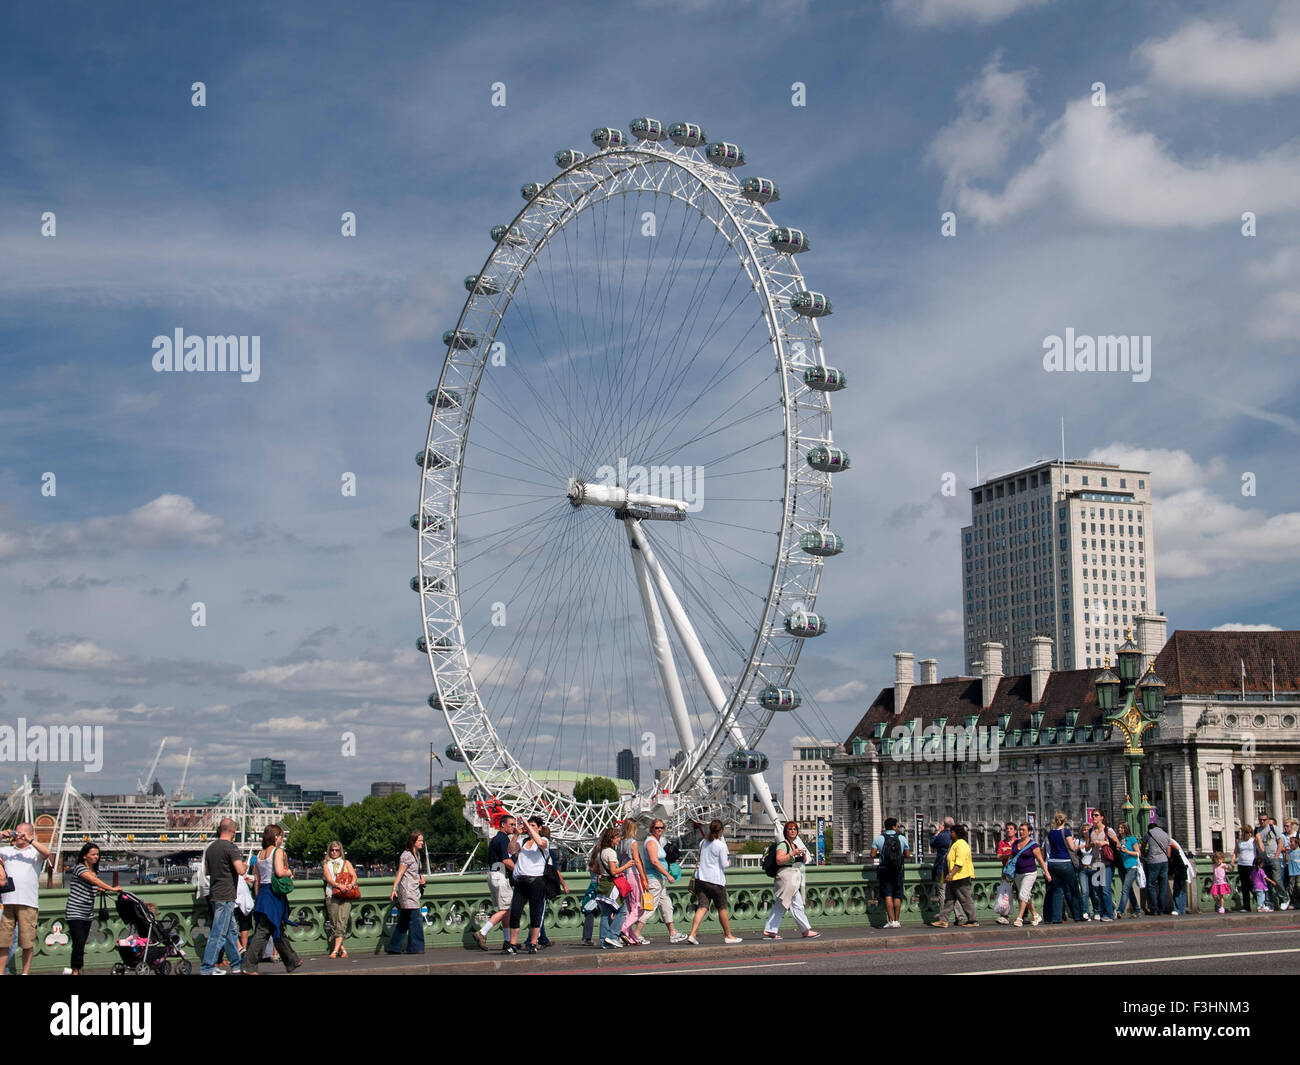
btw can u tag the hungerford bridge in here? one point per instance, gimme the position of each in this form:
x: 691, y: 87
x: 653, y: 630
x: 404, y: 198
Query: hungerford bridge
x: 148, y: 826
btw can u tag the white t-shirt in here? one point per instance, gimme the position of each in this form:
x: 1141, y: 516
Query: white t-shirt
x: 714, y: 858
x: 23, y: 868
x: 531, y: 860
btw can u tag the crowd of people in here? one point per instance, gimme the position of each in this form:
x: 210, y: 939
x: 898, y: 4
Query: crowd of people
x: 1091, y: 872
x: 1082, y: 867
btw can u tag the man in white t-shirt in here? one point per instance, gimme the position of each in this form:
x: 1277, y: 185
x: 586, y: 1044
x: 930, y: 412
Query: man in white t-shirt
x: 23, y: 858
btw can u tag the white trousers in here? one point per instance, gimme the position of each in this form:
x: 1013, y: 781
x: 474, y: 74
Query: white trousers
x: 777, y: 913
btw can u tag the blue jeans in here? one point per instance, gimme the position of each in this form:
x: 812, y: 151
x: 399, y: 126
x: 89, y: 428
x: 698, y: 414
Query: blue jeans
x: 1082, y: 880
x: 1157, y: 881
x: 225, y: 933
x: 1127, y: 900
x: 611, y: 920
x: 1062, y: 891
x: 1180, y: 898
x: 1099, y: 880
x: 410, y: 924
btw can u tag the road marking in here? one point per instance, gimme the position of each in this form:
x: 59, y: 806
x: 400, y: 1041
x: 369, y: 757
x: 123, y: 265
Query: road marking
x: 1132, y: 961
x: 1274, y: 932
x: 718, y: 968
x: 1044, y: 946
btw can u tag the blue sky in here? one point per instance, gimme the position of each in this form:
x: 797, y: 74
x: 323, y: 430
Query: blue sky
x: 175, y: 488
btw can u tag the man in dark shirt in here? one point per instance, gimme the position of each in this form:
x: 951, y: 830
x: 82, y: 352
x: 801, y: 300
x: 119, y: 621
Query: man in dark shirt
x: 225, y: 865
x: 941, y: 843
x: 501, y: 871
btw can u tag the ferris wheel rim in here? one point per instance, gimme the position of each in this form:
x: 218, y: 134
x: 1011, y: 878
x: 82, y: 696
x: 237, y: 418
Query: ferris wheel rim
x: 706, y: 179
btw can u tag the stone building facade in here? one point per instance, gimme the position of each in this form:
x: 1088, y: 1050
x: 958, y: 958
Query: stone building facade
x: 998, y: 748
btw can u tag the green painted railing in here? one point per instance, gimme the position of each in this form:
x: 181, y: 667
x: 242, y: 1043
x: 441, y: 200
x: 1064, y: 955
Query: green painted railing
x: 838, y: 896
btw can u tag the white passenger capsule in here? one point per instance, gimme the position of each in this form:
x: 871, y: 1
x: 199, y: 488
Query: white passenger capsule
x: 746, y: 762
x: 647, y: 129
x: 792, y: 241
x: 723, y: 154
x: 482, y: 285
x: 760, y: 190
x: 774, y: 698
x: 606, y: 137
x: 566, y: 157
x: 460, y: 339
x: 428, y: 522
x: 824, y: 378
x: 531, y: 191
x: 828, y: 459
x: 442, y: 398
x: 823, y: 544
x: 432, y: 460
x: 687, y: 134
x: 508, y: 235
x: 805, y: 625
x: 810, y: 304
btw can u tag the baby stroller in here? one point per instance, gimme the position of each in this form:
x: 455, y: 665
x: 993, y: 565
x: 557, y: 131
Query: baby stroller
x: 150, y: 942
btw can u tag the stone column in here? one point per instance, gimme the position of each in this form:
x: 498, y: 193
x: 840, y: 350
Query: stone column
x: 1275, y: 793
x: 1202, y: 810
x: 1247, y: 795
x: 1228, y: 806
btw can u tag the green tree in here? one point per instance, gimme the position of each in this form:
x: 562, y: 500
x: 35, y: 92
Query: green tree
x: 754, y: 846
x: 595, y: 789
x: 445, y: 829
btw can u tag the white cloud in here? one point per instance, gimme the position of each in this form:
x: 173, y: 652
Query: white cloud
x: 1212, y: 58
x: 293, y: 725
x: 948, y: 12
x: 1093, y: 162
x: 170, y: 521
x: 849, y: 692
x: 1196, y: 533
x: 1237, y: 626
x: 355, y: 676
x: 995, y: 112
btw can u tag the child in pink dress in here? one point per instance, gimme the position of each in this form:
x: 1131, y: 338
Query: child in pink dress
x: 1219, y: 887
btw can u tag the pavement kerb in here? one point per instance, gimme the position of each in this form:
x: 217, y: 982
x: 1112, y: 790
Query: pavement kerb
x: 471, y: 962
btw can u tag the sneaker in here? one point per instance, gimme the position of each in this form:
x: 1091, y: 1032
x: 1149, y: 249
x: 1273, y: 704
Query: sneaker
x: 480, y: 939
x: 939, y: 924
x: 1105, y: 920
x: 731, y: 941
x: 1018, y: 923
x: 692, y: 941
x: 677, y: 937
x: 1038, y: 919
x: 1175, y: 914
x: 1285, y: 906
x: 1003, y: 920
x: 896, y: 924
x: 214, y: 972
x: 641, y: 940
x: 1087, y: 917
x: 613, y: 944
x: 509, y: 948
x: 1222, y: 910
x: 531, y: 948
x: 770, y: 935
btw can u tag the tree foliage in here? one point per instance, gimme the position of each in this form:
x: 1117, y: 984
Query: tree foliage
x: 595, y: 789
x: 375, y: 829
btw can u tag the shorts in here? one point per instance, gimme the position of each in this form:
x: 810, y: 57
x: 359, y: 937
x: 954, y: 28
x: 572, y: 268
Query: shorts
x: 1025, y: 885
x: 662, y: 900
x: 503, y: 892
x: 25, y: 918
x: 891, y: 882
x: 711, y: 893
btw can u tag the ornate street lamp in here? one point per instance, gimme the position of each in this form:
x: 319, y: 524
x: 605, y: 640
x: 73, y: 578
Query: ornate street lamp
x: 1129, y: 657
x: 1107, y: 689
x: 1151, y: 694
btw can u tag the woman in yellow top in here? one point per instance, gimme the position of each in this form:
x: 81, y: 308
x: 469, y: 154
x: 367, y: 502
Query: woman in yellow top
x: 958, y: 880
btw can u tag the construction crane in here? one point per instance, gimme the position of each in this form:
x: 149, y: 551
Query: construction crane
x: 180, y: 792
x: 142, y: 786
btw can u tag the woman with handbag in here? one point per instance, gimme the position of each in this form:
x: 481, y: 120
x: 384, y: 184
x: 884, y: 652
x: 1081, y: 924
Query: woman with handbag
x: 272, y: 883
x: 83, y: 888
x: 408, y: 885
x: 1105, y: 847
x: 787, y: 887
x: 629, y: 856
x: 341, y: 891
x: 612, y: 887
x: 1024, y: 863
x: 1127, y: 904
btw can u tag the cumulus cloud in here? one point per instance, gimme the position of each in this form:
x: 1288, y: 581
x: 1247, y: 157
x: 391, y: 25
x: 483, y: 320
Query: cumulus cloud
x: 170, y: 521
x: 1213, y: 58
x: 1094, y: 162
x: 933, y: 13
x: 1237, y: 626
x: 1198, y: 533
x: 850, y: 692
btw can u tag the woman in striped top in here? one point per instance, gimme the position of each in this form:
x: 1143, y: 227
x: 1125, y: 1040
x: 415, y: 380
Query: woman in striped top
x: 83, y: 887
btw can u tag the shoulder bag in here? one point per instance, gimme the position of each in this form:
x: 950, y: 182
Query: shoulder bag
x: 280, y: 885
x: 348, y: 890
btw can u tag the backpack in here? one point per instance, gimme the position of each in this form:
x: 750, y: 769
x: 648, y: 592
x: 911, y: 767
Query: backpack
x: 891, y: 852
x: 769, y: 861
